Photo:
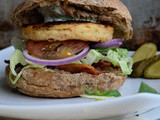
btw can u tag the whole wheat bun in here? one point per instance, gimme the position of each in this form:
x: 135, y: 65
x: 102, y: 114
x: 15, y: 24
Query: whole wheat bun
x: 42, y: 83
x: 110, y: 12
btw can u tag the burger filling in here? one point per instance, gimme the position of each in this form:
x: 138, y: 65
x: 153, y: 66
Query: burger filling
x: 72, y: 56
x: 75, y: 47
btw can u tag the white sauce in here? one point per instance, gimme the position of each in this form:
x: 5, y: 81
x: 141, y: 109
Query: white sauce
x: 55, y: 13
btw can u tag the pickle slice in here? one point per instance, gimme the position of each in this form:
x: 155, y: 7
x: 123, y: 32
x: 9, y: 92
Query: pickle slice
x: 139, y: 67
x: 152, y: 71
x: 145, y: 51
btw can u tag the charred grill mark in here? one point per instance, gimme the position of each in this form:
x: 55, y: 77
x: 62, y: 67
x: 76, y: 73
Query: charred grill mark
x: 56, y: 48
x: 51, y: 24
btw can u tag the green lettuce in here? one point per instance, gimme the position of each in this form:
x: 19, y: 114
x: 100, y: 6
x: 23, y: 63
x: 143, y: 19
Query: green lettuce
x: 18, y: 43
x: 113, y: 57
x: 33, y: 65
x: 126, y: 65
x: 117, y: 56
x: 14, y: 81
x: 92, y: 57
x: 17, y: 58
x: 120, y: 51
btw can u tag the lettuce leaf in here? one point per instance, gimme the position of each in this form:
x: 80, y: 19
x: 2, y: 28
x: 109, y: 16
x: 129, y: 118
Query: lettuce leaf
x: 17, y: 58
x: 126, y: 65
x: 102, y: 50
x: 113, y: 57
x: 30, y: 65
x: 117, y: 56
x: 18, y: 43
x: 92, y: 57
x: 120, y: 51
x: 14, y: 81
x: 33, y: 65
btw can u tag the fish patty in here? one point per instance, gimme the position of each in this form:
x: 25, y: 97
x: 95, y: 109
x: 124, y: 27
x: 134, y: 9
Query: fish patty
x: 68, y: 31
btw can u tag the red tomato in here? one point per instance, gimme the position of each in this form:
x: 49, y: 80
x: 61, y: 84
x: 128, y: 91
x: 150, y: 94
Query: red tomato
x: 55, y: 50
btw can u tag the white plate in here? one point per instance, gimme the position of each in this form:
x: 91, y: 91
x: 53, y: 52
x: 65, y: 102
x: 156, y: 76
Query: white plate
x: 16, y: 105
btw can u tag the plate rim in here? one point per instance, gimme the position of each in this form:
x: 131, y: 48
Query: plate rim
x: 146, y: 96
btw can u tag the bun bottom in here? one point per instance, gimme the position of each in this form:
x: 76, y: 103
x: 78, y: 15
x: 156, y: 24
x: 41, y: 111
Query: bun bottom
x: 62, y: 84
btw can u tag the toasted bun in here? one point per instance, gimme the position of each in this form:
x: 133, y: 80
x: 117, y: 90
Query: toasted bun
x: 42, y: 83
x: 68, y: 31
x: 111, y: 12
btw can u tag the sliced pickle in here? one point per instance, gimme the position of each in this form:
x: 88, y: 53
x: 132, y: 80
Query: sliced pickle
x: 139, y: 67
x: 145, y: 51
x: 152, y: 71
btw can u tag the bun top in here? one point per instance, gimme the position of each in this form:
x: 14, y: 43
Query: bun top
x: 110, y: 12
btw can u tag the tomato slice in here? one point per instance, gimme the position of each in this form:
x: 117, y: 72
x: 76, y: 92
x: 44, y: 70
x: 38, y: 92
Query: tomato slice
x: 55, y: 50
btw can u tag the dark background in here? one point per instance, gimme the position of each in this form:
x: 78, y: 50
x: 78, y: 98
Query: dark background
x: 145, y: 13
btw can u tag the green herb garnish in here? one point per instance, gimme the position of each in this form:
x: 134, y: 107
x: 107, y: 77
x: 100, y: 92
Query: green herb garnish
x: 144, y: 88
x: 111, y: 93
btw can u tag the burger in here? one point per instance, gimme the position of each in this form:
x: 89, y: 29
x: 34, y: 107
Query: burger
x: 67, y: 48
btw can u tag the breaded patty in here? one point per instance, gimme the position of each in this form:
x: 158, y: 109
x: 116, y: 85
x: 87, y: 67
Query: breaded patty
x: 63, y: 84
x: 68, y: 31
